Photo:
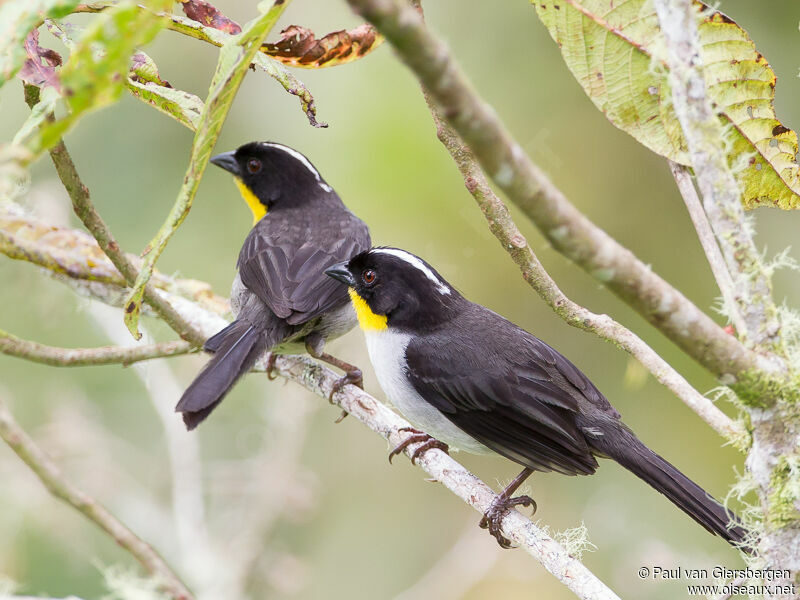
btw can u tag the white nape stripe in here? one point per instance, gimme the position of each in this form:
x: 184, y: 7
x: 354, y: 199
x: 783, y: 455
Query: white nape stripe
x: 303, y: 160
x: 414, y: 261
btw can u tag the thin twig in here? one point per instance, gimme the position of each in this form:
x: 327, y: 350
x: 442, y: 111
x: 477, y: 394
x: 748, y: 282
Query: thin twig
x: 60, y: 487
x: 568, y: 230
x: 721, y: 192
x: 719, y: 269
x: 84, y: 209
x: 81, y: 357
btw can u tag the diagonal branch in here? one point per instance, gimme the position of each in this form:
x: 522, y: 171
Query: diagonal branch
x: 79, y: 357
x: 510, y: 237
x: 719, y: 269
x: 207, y: 320
x: 60, y: 487
x: 721, y: 192
x: 569, y: 231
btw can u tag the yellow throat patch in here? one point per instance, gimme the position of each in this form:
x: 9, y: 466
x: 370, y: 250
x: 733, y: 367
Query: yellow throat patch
x: 367, y: 320
x: 255, y: 205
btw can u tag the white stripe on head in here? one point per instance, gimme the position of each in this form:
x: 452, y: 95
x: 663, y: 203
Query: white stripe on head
x: 303, y: 160
x: 416, y: 262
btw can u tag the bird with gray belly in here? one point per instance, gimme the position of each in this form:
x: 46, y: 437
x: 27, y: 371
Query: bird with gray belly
x: 281, y: 298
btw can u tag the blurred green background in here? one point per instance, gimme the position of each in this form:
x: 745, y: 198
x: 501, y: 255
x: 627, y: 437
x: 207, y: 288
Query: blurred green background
x: 343, y: 523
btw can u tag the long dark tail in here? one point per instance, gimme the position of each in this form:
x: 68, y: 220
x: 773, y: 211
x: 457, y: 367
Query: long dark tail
x: 620, y: 444
x: 235, y: 349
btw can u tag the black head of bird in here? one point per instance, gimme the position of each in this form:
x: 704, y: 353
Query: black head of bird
x: 272, y: 176
x: 392, y: 287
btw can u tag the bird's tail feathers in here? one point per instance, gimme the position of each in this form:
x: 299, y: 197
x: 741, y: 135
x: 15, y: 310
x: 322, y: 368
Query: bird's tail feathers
x: 236, y: 349
x: 625, y: 448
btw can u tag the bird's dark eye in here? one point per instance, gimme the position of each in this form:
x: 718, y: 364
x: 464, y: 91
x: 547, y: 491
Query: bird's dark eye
x: 369, y: 276
x: 253, y: 166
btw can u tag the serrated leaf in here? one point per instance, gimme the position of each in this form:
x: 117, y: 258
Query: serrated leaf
x: 17, y: 19
x: 299, y: 47
x: 614, y: 50
x: 181, y: 106
x: 95, y: 73
x: 235, y: 58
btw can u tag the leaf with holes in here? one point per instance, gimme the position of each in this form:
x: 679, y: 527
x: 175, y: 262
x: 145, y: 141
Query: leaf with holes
x: 614, y: 48
x: 299, y: 48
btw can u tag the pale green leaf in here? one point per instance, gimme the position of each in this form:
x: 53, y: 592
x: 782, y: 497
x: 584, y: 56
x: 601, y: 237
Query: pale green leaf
x: 17, y: 19
x: 614, y: 50
x: 235, y: 57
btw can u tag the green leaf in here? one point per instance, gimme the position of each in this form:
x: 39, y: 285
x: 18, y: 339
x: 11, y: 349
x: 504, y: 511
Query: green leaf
x: 96, y: 71
x: 17, y: 19
x: 235, y: 58
x: 614, y: 50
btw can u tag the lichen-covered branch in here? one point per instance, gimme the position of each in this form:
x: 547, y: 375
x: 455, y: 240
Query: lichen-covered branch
x: 81, y: 357
x: 773, y: 460
x: 510, y: 237
x: 319, y: 380
x: 569, y: 231
x: 722, y: 195
x: 719, y: 269
x: 60, y: 487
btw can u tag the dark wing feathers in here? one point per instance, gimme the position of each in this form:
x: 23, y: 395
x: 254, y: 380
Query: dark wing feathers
x: 290, y: 278
x: 521, y: 401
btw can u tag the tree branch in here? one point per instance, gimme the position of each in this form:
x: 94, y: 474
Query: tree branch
x: 320, y: 381
x: 61, y: 488
x: 721, y: 192
x: 719, y: 269
x: 79, y: 357
x: 569, y: 231
x: 510, y: 237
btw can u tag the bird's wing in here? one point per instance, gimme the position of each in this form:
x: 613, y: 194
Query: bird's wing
x: 508, y: 390
x: 291, y: 280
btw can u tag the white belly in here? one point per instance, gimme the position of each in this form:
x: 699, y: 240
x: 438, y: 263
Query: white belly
x: 387, y: 351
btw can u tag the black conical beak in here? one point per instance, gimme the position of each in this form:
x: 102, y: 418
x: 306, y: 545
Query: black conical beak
x: 340, y: 272
x: 227, y: 161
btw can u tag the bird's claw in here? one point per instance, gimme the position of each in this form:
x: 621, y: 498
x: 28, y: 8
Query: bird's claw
x: 418, y: 436
x: 353, y: 377
x: 271, y: 366
x: 493, y: 517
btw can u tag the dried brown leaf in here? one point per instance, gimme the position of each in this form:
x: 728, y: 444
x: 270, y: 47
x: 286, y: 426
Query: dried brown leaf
x: 210, y: 16
x: 299, y: 48
x: 39, y: 68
